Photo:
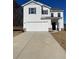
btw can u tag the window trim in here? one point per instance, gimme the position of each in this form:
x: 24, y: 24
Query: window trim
x: 32, y: 10
x: 45, y: 12
x: 59, y: 14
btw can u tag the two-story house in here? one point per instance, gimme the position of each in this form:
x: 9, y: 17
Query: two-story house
x: 41, y: 17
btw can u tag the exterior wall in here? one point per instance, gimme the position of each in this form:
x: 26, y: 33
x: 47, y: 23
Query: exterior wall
x: 60, y: 21
x: 55, y: 14
x: 31, y: 17
x: 47, y: 15
x: 28, y: 17
x: 35, y: 17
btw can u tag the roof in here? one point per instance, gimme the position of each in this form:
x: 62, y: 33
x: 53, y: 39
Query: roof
x: 41, y: 4
x: 32, y: 1
x: 56, y: 10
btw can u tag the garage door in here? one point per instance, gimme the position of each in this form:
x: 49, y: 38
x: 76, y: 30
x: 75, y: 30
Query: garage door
x: 37, y: 26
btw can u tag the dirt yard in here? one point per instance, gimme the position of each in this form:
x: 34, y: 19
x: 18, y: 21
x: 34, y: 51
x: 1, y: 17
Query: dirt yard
x: 60, y: 38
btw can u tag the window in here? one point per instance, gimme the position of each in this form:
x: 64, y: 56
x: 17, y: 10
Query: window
x: 32, y: 10
x: 59, y: 15
x: 44, y: 11
x: 52, y: 15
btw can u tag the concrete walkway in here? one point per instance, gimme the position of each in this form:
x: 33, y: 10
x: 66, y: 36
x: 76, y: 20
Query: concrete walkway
x: 37, y: 45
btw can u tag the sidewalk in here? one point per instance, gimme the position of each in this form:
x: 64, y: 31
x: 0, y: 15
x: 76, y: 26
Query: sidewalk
x: 37, y: 45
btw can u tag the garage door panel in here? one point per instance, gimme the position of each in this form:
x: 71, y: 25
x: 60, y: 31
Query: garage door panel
x: 37, y: 26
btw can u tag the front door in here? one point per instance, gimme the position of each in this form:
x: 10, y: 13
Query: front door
x: 54, y: 26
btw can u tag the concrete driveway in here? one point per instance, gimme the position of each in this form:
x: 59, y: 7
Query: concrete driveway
x: 37, y: 45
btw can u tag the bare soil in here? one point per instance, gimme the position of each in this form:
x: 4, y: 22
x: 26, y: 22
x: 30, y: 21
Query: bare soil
x: 60, y: 38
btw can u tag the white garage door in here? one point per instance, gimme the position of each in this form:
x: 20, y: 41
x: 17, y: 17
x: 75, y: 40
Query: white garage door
x: 37, y: 26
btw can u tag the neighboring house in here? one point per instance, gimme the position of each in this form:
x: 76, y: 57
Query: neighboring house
x: 40, y: 17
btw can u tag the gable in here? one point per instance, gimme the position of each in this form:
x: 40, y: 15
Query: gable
x: 35, y: 2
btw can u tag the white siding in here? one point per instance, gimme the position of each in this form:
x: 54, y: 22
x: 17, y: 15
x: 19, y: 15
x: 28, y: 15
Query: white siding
x: 35, y: 17
x: 47, y: 15
x: 31, y: 17
x: 60, y: 21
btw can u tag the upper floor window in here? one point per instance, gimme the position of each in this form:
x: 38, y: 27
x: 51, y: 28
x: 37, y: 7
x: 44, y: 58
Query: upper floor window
x: 32, y: 10
x: 59, y: 14
x: 44, y: 11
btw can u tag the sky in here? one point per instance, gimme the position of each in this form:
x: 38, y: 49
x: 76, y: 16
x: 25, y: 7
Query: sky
x: 52, y: 3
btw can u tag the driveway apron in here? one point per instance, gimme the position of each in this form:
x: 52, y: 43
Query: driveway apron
x: 37, y: 45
